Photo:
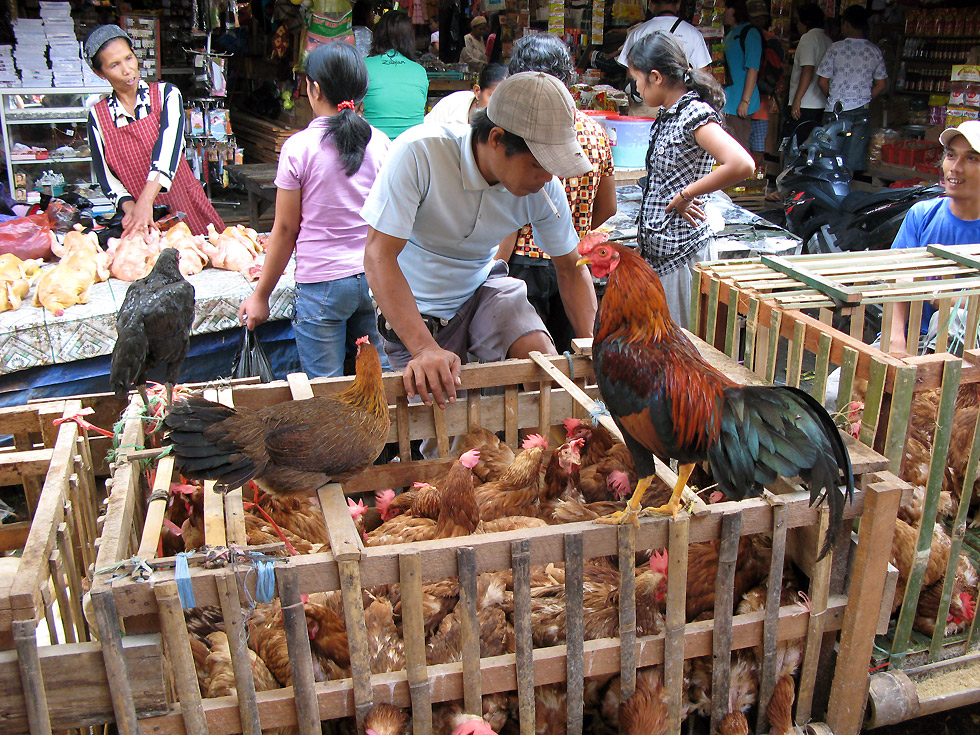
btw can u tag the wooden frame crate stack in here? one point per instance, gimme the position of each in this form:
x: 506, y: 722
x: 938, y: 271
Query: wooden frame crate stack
x: 54, y: 464
x: 780, y: 314
x: 526, y: 399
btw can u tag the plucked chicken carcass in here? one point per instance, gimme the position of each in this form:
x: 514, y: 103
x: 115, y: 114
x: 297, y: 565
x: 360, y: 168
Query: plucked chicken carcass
x: 191, y: 248
x: 290, y: 447
x: 670, y: 403
x: 68, y: 283
x: 16, y: 277
x: 133, y: 257
x: 153, y: 328
x: 232, y: 250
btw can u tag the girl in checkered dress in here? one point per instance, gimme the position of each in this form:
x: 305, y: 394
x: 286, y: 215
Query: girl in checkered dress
x: 686, y: 140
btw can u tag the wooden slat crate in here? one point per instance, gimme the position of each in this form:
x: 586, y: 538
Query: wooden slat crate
x: 796, y: 320
x: 261, y: 139
x: 846, y: 589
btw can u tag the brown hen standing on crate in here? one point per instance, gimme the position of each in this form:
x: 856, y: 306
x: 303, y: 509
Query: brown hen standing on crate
x: 669, y: 402
x: 291, y: 447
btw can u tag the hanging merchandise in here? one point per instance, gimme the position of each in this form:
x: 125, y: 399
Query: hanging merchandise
x: 598, y: 17
x: 329, y: 20
x: 556, y: 17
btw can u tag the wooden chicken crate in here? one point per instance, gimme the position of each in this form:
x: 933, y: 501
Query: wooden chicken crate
x: 795, y: 320
x: 43, y: 597
x: 142, y: 610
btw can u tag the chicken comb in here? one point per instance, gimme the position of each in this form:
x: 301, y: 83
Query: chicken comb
x: 571, y: 425
x: 362, y: 340
x: 659, y: 562
x: 356, y: 509
x: 469, y: 459
x: 476, y: 726
x: 969, y: 605
x: 534, y: 440
x: 590, y: 240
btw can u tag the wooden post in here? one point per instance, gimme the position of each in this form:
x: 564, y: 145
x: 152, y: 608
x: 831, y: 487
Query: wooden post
x: 627, y: 610
x: 469, y: 630
x: 360, y: 658
x: 849, y: 691
x: 521, y: 564
x: 574, y: 632
x: 721, y: 642
x: 819, y: 594
x: 676, y: 620
x: 156, y: 509
x: 300, y: 655
x: 241, y: 661
x: 410, y: 583
x: 174, y: 631
x: 770, y: 629
x: 32, y: 682
x: 117, y: 675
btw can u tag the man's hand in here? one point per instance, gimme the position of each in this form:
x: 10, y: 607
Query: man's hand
x: 433, y: 369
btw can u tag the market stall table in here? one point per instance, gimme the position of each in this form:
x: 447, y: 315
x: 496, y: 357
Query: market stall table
x: 259, y: 181
x: 43, y: 355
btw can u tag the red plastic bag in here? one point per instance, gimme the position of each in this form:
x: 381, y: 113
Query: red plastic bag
x: 27, y: 237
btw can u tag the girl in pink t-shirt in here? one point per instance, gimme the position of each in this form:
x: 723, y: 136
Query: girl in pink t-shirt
x: 324, y: 175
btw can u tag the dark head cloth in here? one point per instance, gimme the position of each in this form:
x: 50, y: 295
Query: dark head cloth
x: 100, y: 37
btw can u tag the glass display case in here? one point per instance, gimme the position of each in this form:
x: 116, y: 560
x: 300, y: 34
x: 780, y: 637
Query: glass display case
x: 45, y: 140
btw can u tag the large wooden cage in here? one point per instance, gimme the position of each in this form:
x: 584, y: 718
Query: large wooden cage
x: 804, y: 321
x: 146, y: 667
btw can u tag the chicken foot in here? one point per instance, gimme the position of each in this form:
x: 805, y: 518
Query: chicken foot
x: 634, y: 506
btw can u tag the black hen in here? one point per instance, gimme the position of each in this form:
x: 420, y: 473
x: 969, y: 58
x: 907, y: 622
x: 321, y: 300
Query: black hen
x: 153, y: 327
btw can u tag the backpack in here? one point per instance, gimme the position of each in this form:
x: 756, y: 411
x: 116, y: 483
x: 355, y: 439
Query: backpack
x: 770, y: 66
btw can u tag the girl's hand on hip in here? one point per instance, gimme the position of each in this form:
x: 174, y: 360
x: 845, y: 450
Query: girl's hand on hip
x: 692, y: 211
x: 743, y: 109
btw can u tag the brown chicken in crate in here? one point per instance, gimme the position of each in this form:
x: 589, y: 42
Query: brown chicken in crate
x: 962, y: 604
x: 291, y: 447
x: 517, y: 491
x: 607, y: 470
x: 496, y: 455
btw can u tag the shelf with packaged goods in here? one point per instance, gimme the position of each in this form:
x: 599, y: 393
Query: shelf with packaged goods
x: 46, y: 118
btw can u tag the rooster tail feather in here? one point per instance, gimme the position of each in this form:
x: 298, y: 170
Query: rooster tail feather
x: 825, y: 478
x: 201, y: 448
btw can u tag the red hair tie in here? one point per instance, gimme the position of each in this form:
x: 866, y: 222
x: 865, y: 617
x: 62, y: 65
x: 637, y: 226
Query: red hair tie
x: 345, y: 105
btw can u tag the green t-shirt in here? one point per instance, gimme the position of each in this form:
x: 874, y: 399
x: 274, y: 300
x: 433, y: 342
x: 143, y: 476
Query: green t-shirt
x: 396, y: 93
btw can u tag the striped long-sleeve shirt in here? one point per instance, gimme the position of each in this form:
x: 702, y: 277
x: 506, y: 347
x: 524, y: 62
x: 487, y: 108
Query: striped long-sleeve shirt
x: 167, y: 150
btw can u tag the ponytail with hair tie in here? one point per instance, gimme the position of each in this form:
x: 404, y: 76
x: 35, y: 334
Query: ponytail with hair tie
x: 688, y: 78
x: 346, y: 105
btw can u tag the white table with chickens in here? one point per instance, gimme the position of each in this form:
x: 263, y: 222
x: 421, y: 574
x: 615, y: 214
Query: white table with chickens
x: 41, y: 353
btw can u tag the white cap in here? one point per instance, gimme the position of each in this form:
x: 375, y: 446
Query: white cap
x: 537, y: 107
x: 969, y: 129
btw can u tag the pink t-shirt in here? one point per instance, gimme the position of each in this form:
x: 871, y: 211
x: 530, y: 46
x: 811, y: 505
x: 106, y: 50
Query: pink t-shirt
x: 330, y: 244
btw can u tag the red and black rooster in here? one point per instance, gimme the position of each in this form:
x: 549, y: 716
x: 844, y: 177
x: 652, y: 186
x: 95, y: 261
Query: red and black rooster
x: 669, y: 402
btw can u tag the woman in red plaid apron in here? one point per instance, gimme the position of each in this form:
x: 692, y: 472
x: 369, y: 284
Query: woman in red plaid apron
x: 127, y: 152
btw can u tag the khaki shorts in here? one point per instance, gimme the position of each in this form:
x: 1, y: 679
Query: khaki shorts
x: 485, y: 326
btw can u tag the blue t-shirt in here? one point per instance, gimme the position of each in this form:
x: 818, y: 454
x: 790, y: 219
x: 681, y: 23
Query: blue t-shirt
x: 931, y: 223
x: 739, y: 62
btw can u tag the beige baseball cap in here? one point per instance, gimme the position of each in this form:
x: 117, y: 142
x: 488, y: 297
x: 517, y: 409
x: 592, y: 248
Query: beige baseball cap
x: 970, y: 129
x: 538, y: 108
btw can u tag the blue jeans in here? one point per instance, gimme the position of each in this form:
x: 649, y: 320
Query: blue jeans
x: 855, y: 152
x: 328, y: 317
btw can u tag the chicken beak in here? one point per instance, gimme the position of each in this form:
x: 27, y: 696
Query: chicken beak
x: 584, y: 260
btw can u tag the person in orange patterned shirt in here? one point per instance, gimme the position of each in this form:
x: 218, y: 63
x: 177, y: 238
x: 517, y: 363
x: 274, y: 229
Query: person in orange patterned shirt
x: 592, y: 197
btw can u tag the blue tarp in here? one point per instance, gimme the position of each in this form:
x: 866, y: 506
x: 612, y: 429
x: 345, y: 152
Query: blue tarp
x: 210, y: 357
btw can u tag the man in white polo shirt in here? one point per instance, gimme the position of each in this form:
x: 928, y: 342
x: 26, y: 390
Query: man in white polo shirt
x: 442, y: 202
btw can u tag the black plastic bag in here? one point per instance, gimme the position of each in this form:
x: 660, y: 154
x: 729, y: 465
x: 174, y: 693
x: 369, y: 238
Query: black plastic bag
x: 250, y: 360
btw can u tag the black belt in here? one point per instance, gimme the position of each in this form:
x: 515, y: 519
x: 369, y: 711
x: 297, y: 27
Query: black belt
x: 432, y: 323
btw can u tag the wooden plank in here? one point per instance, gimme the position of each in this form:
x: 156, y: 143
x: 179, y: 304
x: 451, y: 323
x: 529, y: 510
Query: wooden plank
x: 179, y: 656
x: 874, y: 397
x: 156, y: 509
x: 821, y: 368
x: 413, y: 625
x: 833, y: 289
x: 15, y: 467
x: 849, y: 691
x: 117, y: 674
x: 794, y: 357
x: 775, y: 319
x: 300, y: 657
x: 721, y: 649
x: 510, y: 415
x: 524, y: 656
x: 957, y: 255
x: 898, y: 417
x: 712, y: 315
x: 345, y: 542
x: 731, y: 330
x: 74, y: 590
x: 767, y: 676
x: 751, y: 327
x: 32, y: 680
x: 574, y: 634
x: 357, y: 640
x: 819, y: 597
x: 469, y: 630
x: 627, y: 609
x: 401, y: 427
x: 241, y: 661
x: 676, y: 617
x: 14, y: 535
x: 442, y: 433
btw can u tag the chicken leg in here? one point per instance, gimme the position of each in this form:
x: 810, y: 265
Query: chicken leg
x: 634, y: 505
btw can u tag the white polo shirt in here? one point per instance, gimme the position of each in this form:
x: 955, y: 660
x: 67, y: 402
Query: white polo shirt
x: 431, y: 192
x: 690, y: 37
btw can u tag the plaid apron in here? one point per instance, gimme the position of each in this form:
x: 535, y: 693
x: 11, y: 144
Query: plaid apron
x: 129, y: 151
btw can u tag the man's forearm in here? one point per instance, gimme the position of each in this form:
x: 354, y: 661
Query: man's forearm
x: 578, y: 297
